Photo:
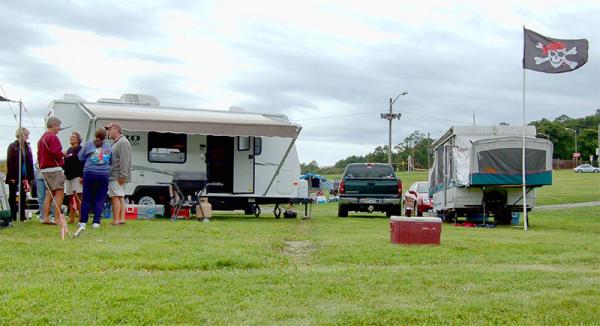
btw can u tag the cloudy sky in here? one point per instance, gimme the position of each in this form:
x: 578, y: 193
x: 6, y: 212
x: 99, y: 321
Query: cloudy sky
x: 329, y: 65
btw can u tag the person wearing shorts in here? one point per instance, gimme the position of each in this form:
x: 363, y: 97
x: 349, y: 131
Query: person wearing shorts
x: 120, y: 172
x: 51, y: 161
x: 74, y: 174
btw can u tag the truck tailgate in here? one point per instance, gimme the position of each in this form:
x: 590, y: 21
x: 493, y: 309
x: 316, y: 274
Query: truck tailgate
x: 371, y: 186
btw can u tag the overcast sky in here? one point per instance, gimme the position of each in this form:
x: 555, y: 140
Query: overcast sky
x: 331, y: 66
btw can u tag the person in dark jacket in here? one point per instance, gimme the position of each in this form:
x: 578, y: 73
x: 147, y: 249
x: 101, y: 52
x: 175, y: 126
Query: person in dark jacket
x: 73, y: 173
x: 12, y: 173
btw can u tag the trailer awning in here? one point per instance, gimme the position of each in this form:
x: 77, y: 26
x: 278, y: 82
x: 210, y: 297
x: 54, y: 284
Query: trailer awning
x: 188, y: 121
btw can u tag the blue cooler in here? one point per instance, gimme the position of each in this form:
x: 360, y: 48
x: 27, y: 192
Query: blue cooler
x: 516, y: 218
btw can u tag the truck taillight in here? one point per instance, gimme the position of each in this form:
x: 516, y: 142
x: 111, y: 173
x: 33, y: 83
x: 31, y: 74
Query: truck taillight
x: 342, y: 190
x: 400, y: 187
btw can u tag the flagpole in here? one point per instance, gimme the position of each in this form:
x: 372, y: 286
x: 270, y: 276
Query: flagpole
x: 523, y: 174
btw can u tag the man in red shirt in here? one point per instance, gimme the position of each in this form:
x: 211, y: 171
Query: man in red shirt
x: 51, y: 160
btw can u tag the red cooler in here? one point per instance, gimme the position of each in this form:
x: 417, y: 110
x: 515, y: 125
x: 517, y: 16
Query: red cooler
x: 415, y: 230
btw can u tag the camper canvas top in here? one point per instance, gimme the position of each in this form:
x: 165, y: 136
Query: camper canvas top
x: 473, y: 133
x: 490, y: 155
x: 134, y: 117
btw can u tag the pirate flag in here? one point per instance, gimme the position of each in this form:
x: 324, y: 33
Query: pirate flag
x: 551, y: 55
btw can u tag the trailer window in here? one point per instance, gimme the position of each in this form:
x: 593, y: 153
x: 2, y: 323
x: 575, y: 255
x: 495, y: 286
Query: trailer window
x: 243, y: 143
x: 508, y: 161
x: 257, y: 145
x: 167, y: 147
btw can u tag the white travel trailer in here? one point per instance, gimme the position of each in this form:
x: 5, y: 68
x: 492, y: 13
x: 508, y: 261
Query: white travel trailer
x: 477, y: 169
x: 252, y: 155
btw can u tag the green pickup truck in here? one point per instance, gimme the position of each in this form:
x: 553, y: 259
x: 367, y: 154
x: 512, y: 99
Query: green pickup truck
x: 369, y: 187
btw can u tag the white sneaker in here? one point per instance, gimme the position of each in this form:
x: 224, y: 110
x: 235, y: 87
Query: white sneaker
x: 96, y: 225
x: 79, y: 231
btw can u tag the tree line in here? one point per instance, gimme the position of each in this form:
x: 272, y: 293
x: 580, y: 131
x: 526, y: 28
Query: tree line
x: 417, y: 145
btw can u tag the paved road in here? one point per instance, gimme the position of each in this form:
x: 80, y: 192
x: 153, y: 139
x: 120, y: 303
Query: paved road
x: 563, y: 206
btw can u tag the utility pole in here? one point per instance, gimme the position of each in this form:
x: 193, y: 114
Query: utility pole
x: 428, y: 145
x: 391, y: 116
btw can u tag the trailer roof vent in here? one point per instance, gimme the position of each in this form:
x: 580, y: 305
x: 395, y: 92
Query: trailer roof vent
x: 140, y: 99
x: 110, y: 101
x: 72, y: 98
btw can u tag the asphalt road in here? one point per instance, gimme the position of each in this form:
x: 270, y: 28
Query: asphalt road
x: 562, y: 206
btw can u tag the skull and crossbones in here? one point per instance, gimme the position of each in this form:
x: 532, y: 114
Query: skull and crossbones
x: 556, y: 53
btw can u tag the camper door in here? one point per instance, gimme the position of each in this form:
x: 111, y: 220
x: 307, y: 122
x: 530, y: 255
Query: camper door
x: 243, y: 165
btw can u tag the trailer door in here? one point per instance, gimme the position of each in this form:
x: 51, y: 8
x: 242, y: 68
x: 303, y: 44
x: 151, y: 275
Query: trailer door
x: 243, y: 165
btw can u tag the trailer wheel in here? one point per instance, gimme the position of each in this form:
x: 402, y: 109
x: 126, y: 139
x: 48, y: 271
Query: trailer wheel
x: 256, y: 211
x: 277, y: 211
x: 502, y: 216
x: 342, y: 210
x: 449, y: 216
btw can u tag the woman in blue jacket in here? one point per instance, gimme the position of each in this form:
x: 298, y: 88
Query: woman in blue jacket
x: 97, y: 157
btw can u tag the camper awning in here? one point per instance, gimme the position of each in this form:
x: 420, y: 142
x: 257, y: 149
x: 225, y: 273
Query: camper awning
x: 188, y: 121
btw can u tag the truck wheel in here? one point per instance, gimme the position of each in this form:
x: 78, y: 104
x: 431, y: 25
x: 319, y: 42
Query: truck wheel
x: 417, y: 211
x: 407, y: 212
x: 342, y: 210
x: 394, y: 210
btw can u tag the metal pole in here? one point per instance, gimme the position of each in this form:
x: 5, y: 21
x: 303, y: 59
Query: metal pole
x: 523, y: 174
x: 390, y: 135
x: 576, y: 146
x: 20, y: 185
x: 428, y: 145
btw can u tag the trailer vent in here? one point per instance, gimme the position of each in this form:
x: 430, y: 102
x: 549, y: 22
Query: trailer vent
x: 140, y: 99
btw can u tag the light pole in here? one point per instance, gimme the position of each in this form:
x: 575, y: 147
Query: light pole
x: 21, y: 151
x: 391, y: 116
x: 545, y: 135
x: 574, y: 132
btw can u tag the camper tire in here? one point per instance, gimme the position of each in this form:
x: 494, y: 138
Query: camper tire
x: 342, y: 210
x: 502, y: 216
x: 257, y: 211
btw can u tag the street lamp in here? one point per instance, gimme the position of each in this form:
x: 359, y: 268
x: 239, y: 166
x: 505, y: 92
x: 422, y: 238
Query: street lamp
x: 391, y: 116
x: 545, y: 135
x: 574, y: 132
x: 19, y: 188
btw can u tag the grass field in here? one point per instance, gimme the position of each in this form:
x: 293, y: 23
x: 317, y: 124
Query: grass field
x: 241, y: 270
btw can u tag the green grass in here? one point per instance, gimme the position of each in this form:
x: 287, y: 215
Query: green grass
x: 570, y: 187
x: 242, y: 270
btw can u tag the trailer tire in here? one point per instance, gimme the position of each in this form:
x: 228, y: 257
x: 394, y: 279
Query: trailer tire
x: 502, y: 216
x: 449, y: 217
x: 342, y: 210
x: 257, y: 211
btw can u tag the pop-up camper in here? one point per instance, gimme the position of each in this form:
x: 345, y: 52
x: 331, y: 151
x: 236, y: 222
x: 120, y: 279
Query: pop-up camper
x: 250, y: 155
x: 478, y: 170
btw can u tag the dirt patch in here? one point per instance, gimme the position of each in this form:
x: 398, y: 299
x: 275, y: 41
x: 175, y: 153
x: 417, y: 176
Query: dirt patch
x: 299, y: 251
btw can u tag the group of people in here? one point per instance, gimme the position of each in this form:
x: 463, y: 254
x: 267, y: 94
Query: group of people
x: 85, y: 174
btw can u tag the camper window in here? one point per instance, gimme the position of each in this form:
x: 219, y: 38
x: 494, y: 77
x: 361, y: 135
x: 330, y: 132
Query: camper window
x: 257, y: 145
x: 243, y: 143
x: 167, y: 147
